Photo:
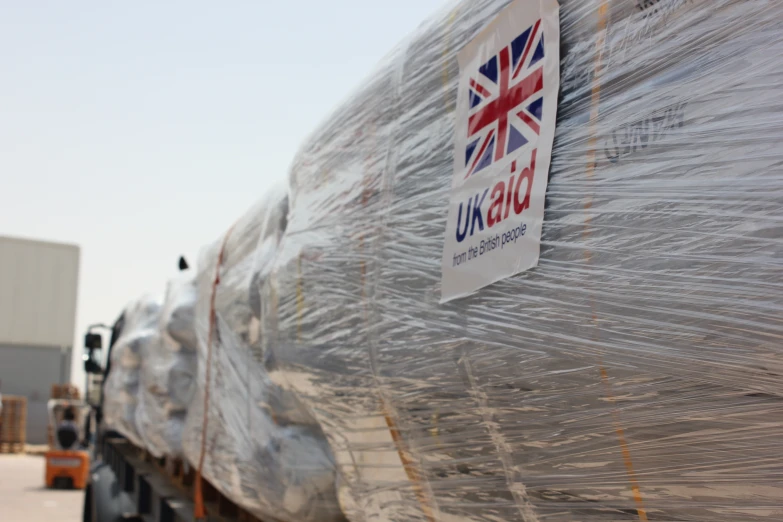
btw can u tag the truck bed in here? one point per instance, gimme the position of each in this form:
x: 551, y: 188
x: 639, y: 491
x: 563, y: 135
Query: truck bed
x: 161, y: 490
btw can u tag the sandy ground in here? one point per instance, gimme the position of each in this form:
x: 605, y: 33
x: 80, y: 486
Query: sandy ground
x: 24, y: 499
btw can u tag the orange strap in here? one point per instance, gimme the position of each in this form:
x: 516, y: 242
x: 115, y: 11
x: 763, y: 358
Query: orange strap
x: 199, y: 511
x: 603, y: 18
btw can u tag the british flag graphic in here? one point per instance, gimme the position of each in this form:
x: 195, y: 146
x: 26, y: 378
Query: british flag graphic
x: 506, y: 101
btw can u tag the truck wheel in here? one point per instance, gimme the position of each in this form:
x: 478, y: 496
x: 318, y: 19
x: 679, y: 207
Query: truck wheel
x: 87, y: 508
x: 109, y: 503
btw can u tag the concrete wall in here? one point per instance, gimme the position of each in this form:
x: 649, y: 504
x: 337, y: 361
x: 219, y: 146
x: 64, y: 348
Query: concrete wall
x: 30, y: 371
x: 38, y: 286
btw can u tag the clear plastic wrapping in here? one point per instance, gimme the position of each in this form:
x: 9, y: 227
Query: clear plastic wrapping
x: 167, y: 373
x: 261, y: 448
x: 122, y: 389
x: 635, y: 374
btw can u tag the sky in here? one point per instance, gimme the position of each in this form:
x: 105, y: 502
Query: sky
x: 141, y: 130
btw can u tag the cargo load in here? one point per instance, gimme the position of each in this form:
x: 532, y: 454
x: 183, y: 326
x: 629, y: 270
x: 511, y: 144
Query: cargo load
x: 139, y: 337
x: 167, y: 372
x: 329, y: 361
x: 635, y: 373
x: 249, y: 439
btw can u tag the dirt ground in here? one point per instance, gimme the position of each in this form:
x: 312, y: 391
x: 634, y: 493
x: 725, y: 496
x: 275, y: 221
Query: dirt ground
x: 23, y: 497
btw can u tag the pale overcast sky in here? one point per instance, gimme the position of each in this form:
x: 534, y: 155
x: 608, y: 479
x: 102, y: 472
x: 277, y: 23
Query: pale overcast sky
x: 141, y: 130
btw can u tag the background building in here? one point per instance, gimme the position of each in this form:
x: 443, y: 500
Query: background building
x: 38, y: 285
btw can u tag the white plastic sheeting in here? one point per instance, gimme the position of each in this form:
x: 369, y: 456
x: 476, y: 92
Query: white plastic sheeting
x: 259, y: 447
x: 140, y: 336
x: 633, y: 375
x: 167, y: 374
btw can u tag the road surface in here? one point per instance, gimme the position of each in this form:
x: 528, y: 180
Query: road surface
x: 23, y: 497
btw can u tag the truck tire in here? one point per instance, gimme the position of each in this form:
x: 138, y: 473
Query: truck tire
x: 104, y: 500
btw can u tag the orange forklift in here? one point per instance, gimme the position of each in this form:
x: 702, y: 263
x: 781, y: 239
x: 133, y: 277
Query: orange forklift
x: 67, y: 460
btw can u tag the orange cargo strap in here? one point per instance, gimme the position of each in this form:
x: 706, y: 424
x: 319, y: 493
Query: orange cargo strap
x: 199, y: 511
x: 603, y: 19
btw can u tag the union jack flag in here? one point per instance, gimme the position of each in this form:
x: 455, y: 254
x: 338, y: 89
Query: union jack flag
x: 506, y: 101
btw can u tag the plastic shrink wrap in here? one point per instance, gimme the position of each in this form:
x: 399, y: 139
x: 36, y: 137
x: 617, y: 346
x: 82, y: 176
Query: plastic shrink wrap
x: 167, y: 372
x: 257, y: 445
x: 635, y: 374
x: 140, y: 336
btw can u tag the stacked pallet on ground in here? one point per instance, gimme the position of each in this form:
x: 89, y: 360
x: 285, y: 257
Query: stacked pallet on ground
x: 13, y: 424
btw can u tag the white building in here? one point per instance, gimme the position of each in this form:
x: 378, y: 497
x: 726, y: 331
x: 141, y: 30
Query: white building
x: 38, y: 288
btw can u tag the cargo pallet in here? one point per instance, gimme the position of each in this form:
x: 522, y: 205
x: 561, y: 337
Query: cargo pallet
x: 11, y: 447
x: 64, y: 391
x: 162, y: 489
x: 13, y: 424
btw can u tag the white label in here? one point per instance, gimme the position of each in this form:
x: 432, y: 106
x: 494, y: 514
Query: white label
x: 64, y: 462
x: 505, y: 126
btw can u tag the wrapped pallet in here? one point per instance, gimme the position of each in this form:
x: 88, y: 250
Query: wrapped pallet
x: 167, y: 374
x: 179, y: 338
x: 245, y: 437
x: 633, y: 372
x: 140, y: 337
